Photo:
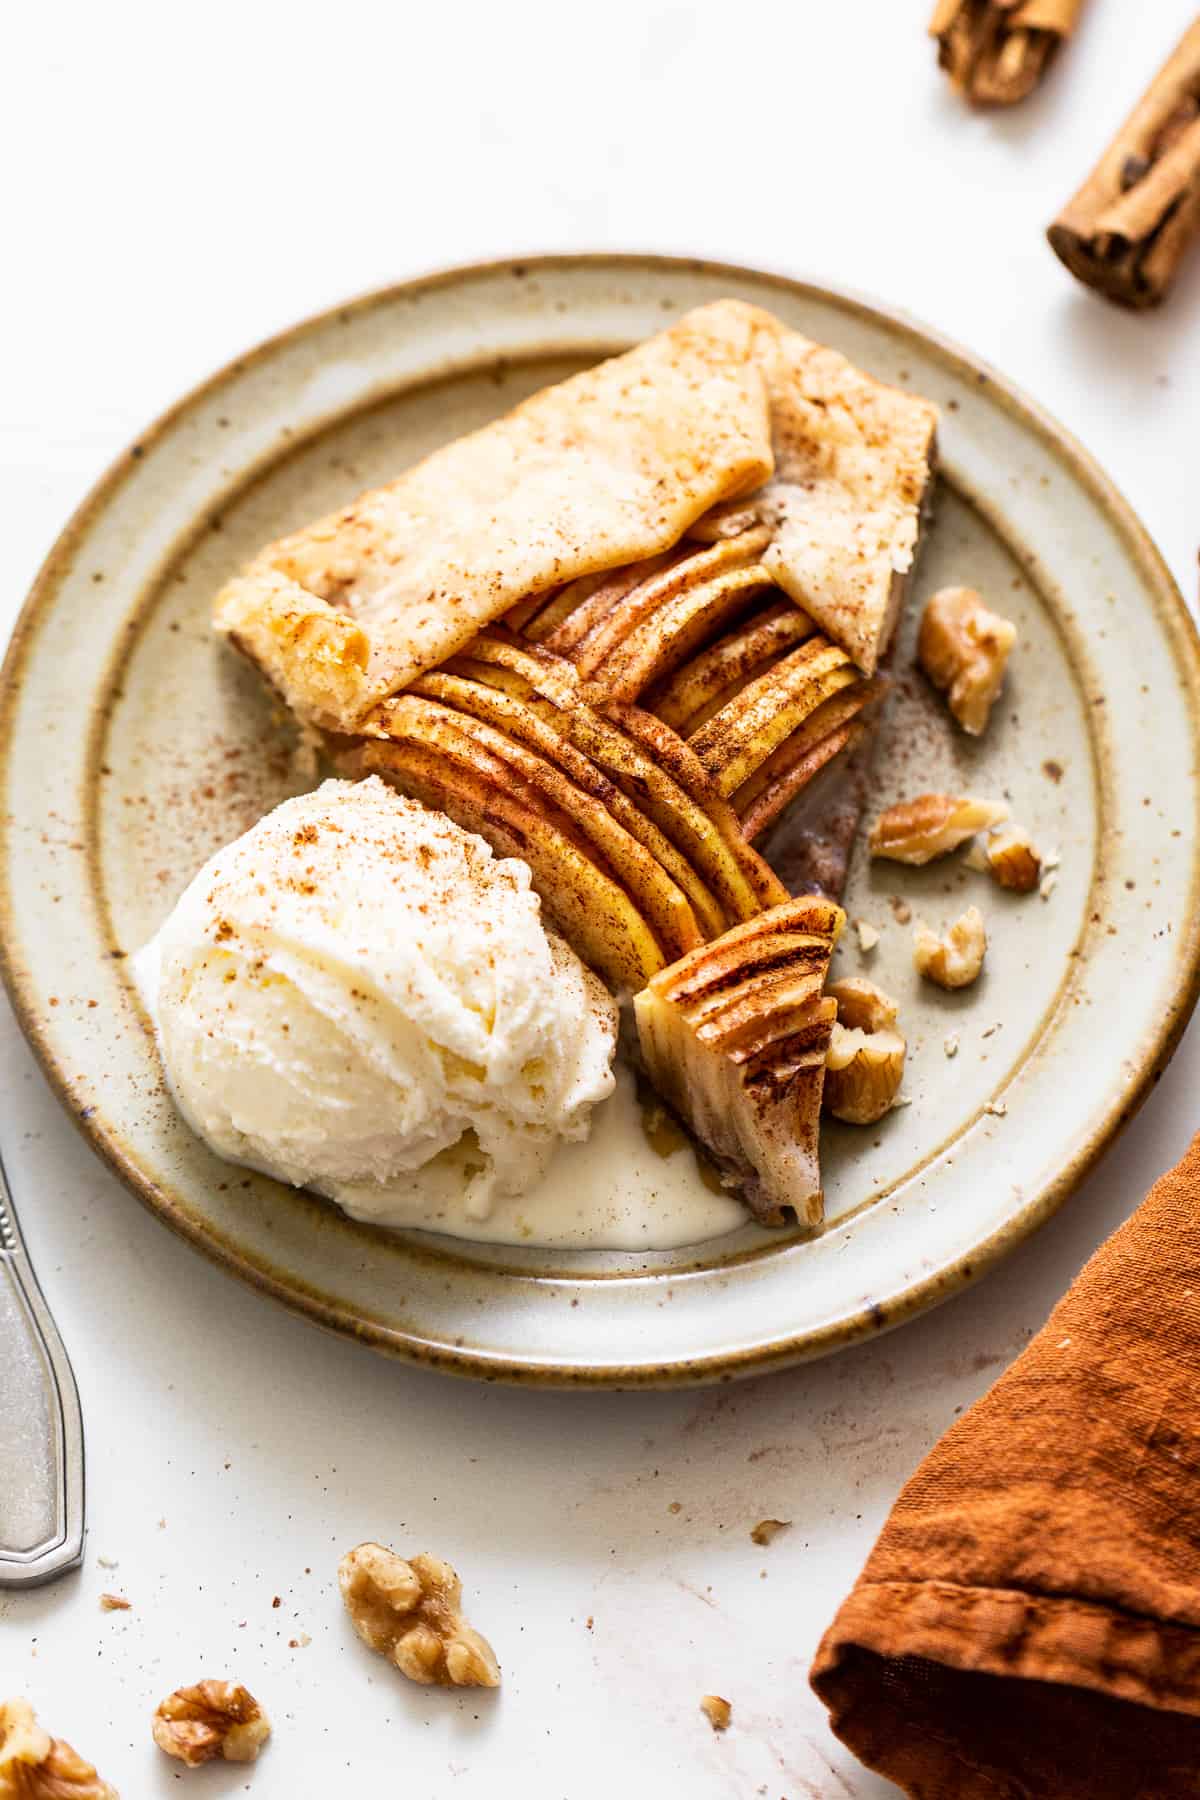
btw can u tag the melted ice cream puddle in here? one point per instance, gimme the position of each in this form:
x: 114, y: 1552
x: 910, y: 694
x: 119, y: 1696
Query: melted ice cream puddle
x: 626, y: 1188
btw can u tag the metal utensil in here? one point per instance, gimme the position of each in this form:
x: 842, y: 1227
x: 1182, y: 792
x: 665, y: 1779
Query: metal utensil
x: 41, y: 1429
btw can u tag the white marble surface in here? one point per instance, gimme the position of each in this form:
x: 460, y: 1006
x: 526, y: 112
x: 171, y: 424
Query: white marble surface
x: 182, y: 182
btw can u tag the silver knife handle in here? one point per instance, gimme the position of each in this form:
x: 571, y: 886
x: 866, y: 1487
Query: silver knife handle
x: 41, y: 1430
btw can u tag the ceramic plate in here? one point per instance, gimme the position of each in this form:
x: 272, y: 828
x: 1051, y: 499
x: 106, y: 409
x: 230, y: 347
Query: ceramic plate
x: 132, y: 745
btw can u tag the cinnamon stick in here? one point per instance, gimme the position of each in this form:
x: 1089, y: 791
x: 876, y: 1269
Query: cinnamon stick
x: 1126, y: 230
x: 996, y: 51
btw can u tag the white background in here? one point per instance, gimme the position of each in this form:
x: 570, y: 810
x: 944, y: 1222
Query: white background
x: 182, y: 181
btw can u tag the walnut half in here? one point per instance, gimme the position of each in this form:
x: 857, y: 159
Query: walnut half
x: 411, y: 1612
x: 955, y: 960
x: 864, y: 1064
x: 964, y: 650
x: 35, y: 1766
x: 932, y: 825
x: 211, y: 1719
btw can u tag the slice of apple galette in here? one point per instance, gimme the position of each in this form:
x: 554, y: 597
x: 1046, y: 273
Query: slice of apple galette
x: 619, y: 633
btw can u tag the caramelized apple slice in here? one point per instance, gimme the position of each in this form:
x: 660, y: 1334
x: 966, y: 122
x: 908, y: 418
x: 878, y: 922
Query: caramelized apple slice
x: 595, y: 630
x: 716, y: 850
x: 679, y: 760
x: 736, y: 740
x: 710, y: 679
x: 832, y: 728
x: 519, y: 721
x: 577, y: 608
x: 735, y: 1036
x: 676, y: 630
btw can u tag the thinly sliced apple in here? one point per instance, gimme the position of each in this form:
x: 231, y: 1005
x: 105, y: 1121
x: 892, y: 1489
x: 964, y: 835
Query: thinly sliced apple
x: 712, y: 678
x: 772, y: 949
x: 579, y: 606
x: 676, y: 630
x: 661, y: 901
x: 736, y: 740
x: 470, y: 668
x: 520, y: 721
x: 668, y: 752
x: 805, y: 927
x: 592, y: 911
x: 518, y: 617
x: 734, y: 1037
x: 592, y: 638
x: 836, y: 725
x: 780, y: 793
x: 713, y: 844
x: 711, y: 527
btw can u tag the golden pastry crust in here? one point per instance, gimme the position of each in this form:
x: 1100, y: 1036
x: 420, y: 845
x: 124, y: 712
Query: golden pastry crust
x: 598, y: 471
x: 602, y: 471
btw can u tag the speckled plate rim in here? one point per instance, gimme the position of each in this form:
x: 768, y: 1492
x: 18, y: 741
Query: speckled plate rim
x: 1172, y: 617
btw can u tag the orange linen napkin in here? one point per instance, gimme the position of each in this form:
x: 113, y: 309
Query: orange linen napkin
x: 1028, y: 1625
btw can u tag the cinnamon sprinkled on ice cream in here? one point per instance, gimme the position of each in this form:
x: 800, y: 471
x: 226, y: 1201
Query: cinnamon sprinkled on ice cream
x: 359, y: 998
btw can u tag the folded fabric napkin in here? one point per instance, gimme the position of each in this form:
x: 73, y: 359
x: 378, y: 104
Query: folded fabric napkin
x: 1028, y: 1625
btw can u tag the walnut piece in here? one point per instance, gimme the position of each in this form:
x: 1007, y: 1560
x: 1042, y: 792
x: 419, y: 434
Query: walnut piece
x: 955, y: 960
x: 209, y: 1720
x: 864, y: 1064
x: 767, y: 1530
x: 35, y: 1766
x: 964, y: 650
x: 932, y: 825
x: 863, y: 1071
x: 863, y: 1006
x: 1012, y: 859
x: 718, y: 1712
x: 411, y: 1612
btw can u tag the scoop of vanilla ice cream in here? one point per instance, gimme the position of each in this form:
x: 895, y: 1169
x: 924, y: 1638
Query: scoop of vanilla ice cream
x: 358, y: 997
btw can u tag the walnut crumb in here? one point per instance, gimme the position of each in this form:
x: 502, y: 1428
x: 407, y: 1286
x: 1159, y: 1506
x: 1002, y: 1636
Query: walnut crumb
x: 35, y: 1766
x: 717, y: 1711
x: 997, y: 1108
x: 1011, y: 859
x: 950, y: 1043
x: 767, y: 1530
x: 114, y: 1603
x: 955, y: 959
x: 208, y: 1720
x: 411, y: 1612
x: 868, y: 936
x: 1049, y: 883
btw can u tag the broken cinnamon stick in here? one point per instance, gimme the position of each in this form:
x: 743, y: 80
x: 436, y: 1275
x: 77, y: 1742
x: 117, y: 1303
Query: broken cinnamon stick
x: 1127, y: 228
x: 996, y: 51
